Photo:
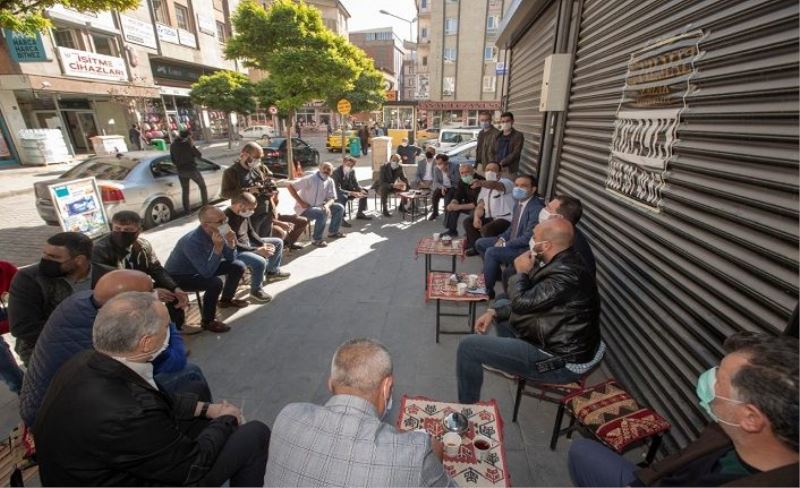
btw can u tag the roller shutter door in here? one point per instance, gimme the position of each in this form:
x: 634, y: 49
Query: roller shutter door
x: 681, y: 140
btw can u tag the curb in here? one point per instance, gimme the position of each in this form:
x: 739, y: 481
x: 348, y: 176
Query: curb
x: 13, y: 193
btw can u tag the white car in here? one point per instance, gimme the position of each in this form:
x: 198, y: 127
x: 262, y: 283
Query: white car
x: 466, y: 152
x: 451, y: 137
x: 257, y: 132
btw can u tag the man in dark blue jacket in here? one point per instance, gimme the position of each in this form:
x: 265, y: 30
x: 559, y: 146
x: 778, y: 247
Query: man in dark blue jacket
x: 69, y: 331
x: 499, y: 251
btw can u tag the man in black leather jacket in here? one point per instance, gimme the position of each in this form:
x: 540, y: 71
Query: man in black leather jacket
x: 548, y: 329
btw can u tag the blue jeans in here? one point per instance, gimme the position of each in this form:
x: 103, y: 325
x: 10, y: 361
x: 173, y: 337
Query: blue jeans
x: 504, y: 352
x: 259, y: 265
x: 493, y: 258
x: 188, y: 380
x: 213, y: 286
x: 9, y: 370
x: 317, y: 214
x: 593, y: 464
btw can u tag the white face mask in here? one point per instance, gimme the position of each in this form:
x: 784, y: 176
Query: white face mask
x: 224, y: 229
x: 163, y: 347
x: 544, y: 215
x: 394, y: 164
x: 491, y: 176
x: 247, y: 214
x: 506, y: 126
x: 346, y: 169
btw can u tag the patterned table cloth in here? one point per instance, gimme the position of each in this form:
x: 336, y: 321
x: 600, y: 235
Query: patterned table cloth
x: 441, y: 288
x: 427, y: 245
x: 484, y: 418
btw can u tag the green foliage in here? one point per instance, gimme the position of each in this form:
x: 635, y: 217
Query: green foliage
x: 227, y: 91
x: 368, y: 92
x: 27, y: 17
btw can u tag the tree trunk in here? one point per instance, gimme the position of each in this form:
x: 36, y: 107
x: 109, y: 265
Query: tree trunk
x: 230, y: 129
x: 289, y: 154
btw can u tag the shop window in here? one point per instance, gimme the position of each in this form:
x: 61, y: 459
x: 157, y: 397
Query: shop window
x: 489, y: 83
x: 450, y: 25
x: 449, y: 55
x: 221, y: 37
x: 160, y: 11
x: 105, y: 45
x: 182, y: 17
x: 67, y: 38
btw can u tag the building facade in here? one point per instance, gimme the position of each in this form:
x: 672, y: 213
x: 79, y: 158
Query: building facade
x: 459, y: 69
x: 386, y: 50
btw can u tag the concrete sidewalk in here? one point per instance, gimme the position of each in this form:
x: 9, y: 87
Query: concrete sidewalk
x: 20, y: 180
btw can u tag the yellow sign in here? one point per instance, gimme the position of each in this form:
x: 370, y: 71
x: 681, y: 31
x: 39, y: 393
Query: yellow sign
x: 343, y: 106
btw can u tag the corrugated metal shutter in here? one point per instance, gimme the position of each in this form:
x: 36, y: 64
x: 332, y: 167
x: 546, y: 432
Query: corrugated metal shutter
x: 525, y: 84
x: 719, y: 253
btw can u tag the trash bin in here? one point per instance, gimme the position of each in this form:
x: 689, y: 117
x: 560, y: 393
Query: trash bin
x: 355, y: 147
x: 159, y: 144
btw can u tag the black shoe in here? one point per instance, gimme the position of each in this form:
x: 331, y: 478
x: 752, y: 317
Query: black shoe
x: 471, y: 252
x: 361, y: 216
x: 295, y: 246
x: 346, y: 224
x: 433, y: 216
x: 387, y: 213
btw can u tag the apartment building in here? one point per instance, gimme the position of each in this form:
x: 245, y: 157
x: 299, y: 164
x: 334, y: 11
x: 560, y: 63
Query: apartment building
x: 459, y: 70
x: 386, y: 50
x: 95, y: 74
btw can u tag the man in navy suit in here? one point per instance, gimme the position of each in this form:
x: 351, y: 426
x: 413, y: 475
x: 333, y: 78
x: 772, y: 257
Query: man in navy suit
x: 498, y: 251
x: 445, y: 180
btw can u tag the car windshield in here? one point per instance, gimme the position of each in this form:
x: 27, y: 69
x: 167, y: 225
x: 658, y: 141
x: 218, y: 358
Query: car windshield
x: 276, y: 142
x: 454, y: 137
x: 103, y: 168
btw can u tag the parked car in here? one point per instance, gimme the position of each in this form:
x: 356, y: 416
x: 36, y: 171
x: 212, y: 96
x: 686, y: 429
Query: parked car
x: 453, y: 136
x: 463, y: 153
x: 275, y: 155
x: 143, y: 181
x: 257, y: 132
x: 427, y: 136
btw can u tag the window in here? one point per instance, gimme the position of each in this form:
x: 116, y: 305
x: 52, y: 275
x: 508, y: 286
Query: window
x: 449, y: 55
x: 491, y: 22
x: 489, y: 83
x: 424, y: 33
x: 66, y: 38
x: 105, y: 45
x: 330, y: 24
x: 423, y: 4
x: 472, y: 117
x: 160, y: 11
x: 424, y: 60
x: 450, y: 25
x: 448, y: 85
x: 221, y: 37
x: 379, y: 36
x: 490, y: 53
x: 182, y: 17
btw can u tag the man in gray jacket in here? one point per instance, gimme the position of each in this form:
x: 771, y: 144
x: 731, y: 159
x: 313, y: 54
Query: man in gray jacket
x: 345, y: 442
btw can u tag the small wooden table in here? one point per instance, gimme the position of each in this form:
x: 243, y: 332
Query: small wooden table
x: 412, y: 199
x: 440, y: 288
x: 429, y: 247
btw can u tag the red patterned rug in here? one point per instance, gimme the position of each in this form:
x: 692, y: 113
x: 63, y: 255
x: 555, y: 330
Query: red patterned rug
x: 484, y: 418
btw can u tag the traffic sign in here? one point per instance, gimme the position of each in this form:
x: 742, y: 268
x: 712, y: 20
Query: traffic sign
x: 273, y: 109
x: 343, y: 106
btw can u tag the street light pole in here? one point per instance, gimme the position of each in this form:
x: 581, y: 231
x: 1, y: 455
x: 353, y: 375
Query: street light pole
x: 409, y: 22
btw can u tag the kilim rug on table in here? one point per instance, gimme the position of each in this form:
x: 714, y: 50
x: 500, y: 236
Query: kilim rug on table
x: 484, y: 418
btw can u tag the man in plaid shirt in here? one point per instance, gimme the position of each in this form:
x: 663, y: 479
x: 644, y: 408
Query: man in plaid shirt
x: 345, y: 442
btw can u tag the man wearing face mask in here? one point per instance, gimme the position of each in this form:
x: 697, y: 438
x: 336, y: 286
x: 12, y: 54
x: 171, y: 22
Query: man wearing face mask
x: 445, y: 178
x: 391, y: 179
x: 262, y: 254
x: 346, y: 442
x: 105, y: 420
x: 198, y: 260
x: 69, y: 331
x: 484, y: 152
x: 464, y: 198
x: 315, y: 195
x: 248, y: 174
x: 508, y: 145
x: 124, y: 248
x: 548, y: 329
x: 425, y: 169
x: 492, y: 215
x: 347, y: 188
x: 408, y: 153
x: 502, y: 251
x: 65, y: 268
x: 751, y: 398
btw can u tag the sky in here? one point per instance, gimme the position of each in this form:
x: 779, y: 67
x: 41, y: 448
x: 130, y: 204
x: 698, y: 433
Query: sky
x: 365, y: 15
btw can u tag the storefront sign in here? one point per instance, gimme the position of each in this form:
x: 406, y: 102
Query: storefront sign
x: 79, y: 207
x: 97, y: 20
x: 24, y: 48
x: 84, y: 64
x: 167, y: 34
x: 207, y: 24
x: 175, y: 91
x: 187, y: 38
x: 429, y: 105
x: 648, y: 115
x: 500, y: 69
x: 176, y: 71
x: 138, y: 32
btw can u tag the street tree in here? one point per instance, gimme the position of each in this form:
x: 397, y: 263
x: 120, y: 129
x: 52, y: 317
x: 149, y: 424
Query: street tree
x: 227, y: 91
x: 304, y: 59
x: 27, y: 17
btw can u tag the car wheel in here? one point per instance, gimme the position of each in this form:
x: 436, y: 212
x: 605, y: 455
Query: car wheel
x: 159, y: 212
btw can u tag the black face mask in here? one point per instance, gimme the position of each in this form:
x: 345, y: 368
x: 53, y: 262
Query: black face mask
x: 123, y: 239
x: 429, y: 155
x: 51, y: 269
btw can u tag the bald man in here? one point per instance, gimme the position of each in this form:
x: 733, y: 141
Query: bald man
x: 346, y: 441
x: 199, y: 259
x: 548, y: 328
x: 68, y: 331
x: 316, y: 200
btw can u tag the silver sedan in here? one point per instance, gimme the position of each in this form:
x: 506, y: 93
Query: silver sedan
x: 143, y: 181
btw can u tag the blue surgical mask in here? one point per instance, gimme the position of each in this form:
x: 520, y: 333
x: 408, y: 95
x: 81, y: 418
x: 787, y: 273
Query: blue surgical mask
x: 519, y: 193
x: 486, y: 125
x: 706, y: 392
x: 467, y: 179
